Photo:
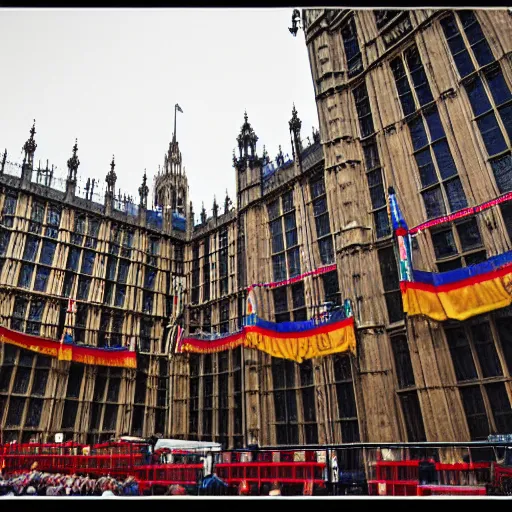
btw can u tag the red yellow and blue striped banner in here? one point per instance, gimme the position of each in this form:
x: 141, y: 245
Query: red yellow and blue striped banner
x: 297, y: 345
x: 462, y: 293
x: 122, y: 357
x: 457, y: 294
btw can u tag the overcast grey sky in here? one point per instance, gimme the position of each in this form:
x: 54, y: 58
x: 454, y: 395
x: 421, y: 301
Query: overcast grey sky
x: 111, y: 78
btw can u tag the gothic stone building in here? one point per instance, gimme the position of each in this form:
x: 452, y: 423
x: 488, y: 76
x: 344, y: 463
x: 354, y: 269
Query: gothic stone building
x: 122, y: 265
x: 418, y: 100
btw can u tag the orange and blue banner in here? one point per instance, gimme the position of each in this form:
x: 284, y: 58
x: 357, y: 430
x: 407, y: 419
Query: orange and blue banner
x: 462, y: 293
x: 121, y: 357
x: 290, y: 340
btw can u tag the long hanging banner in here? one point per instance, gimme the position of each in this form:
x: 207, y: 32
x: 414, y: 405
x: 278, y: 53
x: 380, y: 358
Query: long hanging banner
x: 457, y: 294
x: 121, y: 357
x: 462, y: 293
x: 290, y: 340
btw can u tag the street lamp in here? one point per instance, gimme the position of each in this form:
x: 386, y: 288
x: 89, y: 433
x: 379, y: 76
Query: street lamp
x: 295, y: 22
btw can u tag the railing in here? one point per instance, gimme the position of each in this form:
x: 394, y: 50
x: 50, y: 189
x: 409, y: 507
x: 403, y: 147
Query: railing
x: 45, y: 179
x: 419, y: 471
x: 12, y: 169
x: 126, y: 206
x: 268, y: 472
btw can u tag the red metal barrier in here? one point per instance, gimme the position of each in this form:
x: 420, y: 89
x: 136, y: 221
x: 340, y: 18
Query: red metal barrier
x: 451, y: 490
x: 259, y: 472
x: 401, y: 478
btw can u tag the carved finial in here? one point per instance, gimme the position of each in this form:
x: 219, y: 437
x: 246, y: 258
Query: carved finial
x: 215, y: 208
x: 30, y: 146
x: 280, y: 157
x: 73, y: 163
x: 203, y: 214
x: 316, y: 136
x: 111, y: 179
x: 227, y: 203
x: 144, y: 191
x: 192, y: 215
x: 245, y: 115
x: 295, y: 123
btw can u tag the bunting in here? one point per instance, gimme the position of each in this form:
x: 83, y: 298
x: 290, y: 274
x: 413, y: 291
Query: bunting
x: 284, y: 282
x: 121, y: 357
x: 461, y: 213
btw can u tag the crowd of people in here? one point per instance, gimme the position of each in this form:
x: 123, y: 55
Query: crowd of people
x: 37, y: 483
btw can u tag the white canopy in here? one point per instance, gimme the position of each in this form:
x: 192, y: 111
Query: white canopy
x: 132, y: 439
x: 180, y: 444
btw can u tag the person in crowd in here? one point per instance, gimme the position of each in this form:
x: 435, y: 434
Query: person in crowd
x: 244, y: 489
x: 264, y: 489
x: 275, y: 490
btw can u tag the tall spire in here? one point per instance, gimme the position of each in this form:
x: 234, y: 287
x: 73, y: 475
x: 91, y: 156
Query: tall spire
x: 192, y: 215
x: 30, y: 146
x: 4, y: 158
x: 215, y: 208
x: 73, y: 163
x: 203, y: 214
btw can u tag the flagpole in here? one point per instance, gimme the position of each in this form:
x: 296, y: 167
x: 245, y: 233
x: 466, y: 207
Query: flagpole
x: 174, y: 134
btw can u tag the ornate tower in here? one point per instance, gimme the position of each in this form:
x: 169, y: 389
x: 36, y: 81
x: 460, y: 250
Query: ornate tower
x: 247, y: 165
x: 171, y: 191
